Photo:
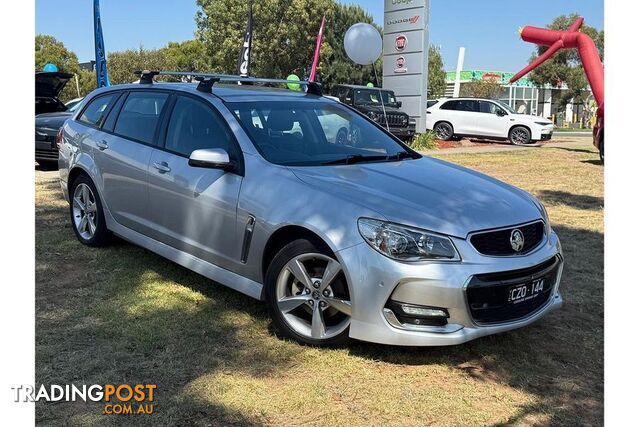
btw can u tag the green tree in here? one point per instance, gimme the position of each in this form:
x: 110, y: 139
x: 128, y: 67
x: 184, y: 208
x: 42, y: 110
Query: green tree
x: 565, y: 66
x: 50, y: 50
x: 122, y: 64
x: 283, y: 34
x: 437, y: 74
x: 489, y: 89
x: 189, y: 55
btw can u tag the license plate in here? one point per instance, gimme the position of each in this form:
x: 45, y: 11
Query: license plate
x: 525, y: 291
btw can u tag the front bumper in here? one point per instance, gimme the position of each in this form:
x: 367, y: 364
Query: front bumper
x: 434, y: 284
x: 406, y: 132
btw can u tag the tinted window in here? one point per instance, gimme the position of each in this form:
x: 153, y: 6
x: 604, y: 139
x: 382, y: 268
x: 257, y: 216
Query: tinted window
x: 139, y: 116
x: 313, y: 133
x: 467, y: 105
x: 449, y: 105
x: 96, y: 111
x: 194, y: 125
x: 488, y: 107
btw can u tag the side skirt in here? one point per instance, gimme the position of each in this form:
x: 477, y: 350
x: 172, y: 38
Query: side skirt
x: 211, y: 271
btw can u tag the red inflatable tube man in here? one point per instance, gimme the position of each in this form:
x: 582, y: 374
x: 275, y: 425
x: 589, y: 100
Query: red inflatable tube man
x: 572, y: 38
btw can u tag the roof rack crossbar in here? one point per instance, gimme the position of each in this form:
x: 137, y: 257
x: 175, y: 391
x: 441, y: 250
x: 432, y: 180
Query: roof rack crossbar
x: 207, y: 80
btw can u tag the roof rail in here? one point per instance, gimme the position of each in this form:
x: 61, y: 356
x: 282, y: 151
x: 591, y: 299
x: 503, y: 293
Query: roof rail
x: 207, y: 80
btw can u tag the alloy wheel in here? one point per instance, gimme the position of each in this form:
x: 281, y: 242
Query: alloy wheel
x: 313, y: 297
x: 84, y: 211
x: 442, y: 132
x: 520, y: 136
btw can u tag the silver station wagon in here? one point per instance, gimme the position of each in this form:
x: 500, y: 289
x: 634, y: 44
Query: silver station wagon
x: 303, y: 202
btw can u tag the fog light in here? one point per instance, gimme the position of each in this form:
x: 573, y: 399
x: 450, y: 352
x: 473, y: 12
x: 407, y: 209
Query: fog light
x: 413, y: 310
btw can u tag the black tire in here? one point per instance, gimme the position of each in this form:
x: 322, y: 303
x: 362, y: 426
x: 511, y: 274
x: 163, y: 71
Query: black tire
x: 342, y: 137
x: 48, y: 165
x: 443, y: 131
x: 519, y: 135
x: 101, y: 236
x: 286, y: 254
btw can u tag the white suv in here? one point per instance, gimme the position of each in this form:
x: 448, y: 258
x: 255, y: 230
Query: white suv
x: 485, y: 118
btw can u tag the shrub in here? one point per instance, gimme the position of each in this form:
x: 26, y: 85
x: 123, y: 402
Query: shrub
x: 424, y: 141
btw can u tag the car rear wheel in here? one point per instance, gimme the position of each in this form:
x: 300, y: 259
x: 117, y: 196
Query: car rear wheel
x: 87, y: 217
x: 307, y: 295
x: 443, y: 131
x: 519, y: 135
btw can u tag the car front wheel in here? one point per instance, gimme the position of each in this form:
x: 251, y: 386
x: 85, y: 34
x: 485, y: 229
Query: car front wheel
x: 307, y: 295
x: 519, y: 135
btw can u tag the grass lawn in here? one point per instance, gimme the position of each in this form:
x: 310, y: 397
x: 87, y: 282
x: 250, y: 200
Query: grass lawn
x: 124, y: 315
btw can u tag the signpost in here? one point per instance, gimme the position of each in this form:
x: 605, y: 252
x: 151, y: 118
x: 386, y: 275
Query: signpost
x: 405, y: 55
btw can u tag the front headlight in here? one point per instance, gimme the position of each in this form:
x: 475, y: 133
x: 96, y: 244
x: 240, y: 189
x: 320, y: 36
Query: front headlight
x: 545, y: 216
x: 407, y: 244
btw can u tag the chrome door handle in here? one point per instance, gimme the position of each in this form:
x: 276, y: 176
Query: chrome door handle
x: 163, y: 167
x: 102, y: 145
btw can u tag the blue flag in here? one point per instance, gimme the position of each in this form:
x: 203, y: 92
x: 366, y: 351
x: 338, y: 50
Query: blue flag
x: 101, y: 56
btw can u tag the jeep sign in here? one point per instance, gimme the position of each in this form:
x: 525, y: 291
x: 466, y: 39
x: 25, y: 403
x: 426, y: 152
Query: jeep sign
x: 405, y: 55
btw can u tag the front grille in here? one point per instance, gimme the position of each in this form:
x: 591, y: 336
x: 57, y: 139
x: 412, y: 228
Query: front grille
x: 487, y: 294
x: 498, y: 242
x: 395, y: 120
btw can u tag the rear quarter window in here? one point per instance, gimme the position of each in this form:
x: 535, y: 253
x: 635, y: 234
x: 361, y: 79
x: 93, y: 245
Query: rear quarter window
x: 96, y: 111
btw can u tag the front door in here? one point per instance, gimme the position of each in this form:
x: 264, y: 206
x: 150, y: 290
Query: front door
x: 193, y: 208
x: 493, y: 120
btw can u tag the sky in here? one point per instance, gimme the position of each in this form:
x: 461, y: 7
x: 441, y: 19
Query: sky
x: 488, y: 29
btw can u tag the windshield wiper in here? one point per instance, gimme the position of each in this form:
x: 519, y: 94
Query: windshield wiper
x: 355, y: 158
x: 401, y: 155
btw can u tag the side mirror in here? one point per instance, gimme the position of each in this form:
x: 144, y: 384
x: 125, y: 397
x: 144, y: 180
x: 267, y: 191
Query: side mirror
x: 212, y: 158
x: 399, y: 104
x: 501, y: 113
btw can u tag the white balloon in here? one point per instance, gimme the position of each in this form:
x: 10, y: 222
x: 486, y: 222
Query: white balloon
x: 363, y: 43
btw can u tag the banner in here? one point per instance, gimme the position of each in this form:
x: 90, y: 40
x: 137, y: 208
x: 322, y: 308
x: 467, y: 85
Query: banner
x: 101, y: 56
x: 244, y: 60
x: 316, y: 55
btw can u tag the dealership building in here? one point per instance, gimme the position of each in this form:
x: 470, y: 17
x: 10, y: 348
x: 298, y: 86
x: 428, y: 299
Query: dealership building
x: 525, y: 97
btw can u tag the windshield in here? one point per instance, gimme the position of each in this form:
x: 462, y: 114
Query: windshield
x: 372, y: 97
x: 506, y: 107
x: 303, y: 133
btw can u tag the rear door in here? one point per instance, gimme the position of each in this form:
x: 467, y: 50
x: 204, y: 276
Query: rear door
x: 461, y: 113
x: 122, y: 155
x: 493, y: 120
x: 193, y: 208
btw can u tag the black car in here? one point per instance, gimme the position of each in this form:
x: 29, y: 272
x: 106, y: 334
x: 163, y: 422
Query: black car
x: 368, y: 101
x: 51, y: 113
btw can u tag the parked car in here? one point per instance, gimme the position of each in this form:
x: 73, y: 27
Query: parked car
x: 243, y: 185
x: 73, y: 103
x: 50, y: 114
x: 485, y: 118
x: 369, y: 101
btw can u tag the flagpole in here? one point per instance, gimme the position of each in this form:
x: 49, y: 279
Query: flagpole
x: 316, y: 55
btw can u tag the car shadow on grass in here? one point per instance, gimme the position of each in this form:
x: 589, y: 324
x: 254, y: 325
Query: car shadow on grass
x: 578, y: 201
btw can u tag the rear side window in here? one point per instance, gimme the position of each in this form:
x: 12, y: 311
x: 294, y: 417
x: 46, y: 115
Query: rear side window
x: 467, y: 105
x: 95, y: 113
x: 140, y: 115
x: 194, y: 125
x: 449, y: 105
